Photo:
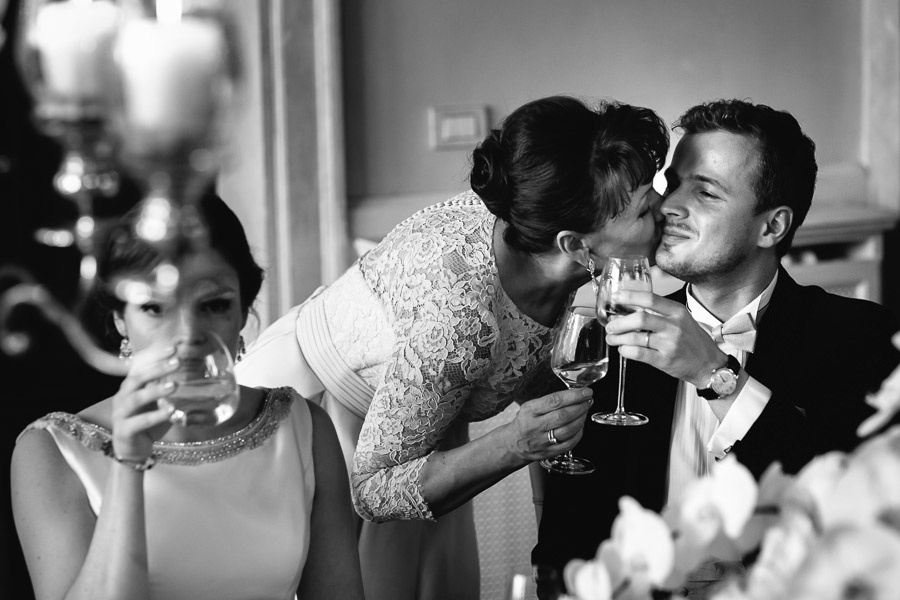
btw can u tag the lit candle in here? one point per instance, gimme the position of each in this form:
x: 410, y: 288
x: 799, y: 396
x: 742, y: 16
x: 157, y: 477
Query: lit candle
x: 73, y: 41
x: 173, y: 74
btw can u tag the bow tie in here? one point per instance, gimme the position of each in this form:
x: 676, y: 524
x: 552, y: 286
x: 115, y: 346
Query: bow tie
x: 738, y: 332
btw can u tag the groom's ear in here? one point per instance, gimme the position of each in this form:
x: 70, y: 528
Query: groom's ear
x: 775, y: 227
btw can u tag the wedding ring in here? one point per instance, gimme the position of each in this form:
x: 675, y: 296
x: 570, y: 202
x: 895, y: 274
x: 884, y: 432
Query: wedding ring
x: 647, y: 340
x: 551, y: 437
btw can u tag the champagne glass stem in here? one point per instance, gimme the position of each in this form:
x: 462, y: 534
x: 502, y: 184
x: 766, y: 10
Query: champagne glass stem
x: 569, y: 458
x: 620, y: 403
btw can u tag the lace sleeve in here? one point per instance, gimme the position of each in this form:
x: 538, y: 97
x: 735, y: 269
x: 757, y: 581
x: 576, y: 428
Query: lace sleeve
x: 445, y: 336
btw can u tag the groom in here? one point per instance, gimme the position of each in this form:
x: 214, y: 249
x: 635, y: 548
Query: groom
x: 742, y: 360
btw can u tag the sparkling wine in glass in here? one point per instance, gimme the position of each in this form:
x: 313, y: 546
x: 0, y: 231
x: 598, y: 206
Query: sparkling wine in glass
x: 579, y: 357
x: 630, y: 272
x: 206, y: 392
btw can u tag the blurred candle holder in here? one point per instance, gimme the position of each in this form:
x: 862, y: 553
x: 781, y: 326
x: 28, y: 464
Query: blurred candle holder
x: 64, y: 55
x: 146, y: 86
x: 174, y: 96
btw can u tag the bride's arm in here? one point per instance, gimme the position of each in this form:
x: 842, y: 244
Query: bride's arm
x: 332, y: 567
x: 70, y: 553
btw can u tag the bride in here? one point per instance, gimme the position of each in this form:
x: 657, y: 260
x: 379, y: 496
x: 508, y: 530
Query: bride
x: 119, y: 502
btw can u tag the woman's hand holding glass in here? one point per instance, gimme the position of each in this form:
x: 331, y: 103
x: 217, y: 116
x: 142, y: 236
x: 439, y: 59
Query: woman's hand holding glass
x: 579, y: 358
x: 138, y: 416
x: 547, y: 426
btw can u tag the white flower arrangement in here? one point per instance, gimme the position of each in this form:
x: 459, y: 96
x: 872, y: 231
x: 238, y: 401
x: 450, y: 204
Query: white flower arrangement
x: 830, y: 532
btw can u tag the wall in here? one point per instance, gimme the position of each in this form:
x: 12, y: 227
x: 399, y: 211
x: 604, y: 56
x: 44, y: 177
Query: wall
x: 402, y: 56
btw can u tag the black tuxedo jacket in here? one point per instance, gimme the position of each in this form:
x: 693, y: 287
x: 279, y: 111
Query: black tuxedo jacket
x: 819, y: 354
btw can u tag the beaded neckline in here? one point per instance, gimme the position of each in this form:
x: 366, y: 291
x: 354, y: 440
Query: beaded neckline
x: 275, y: 407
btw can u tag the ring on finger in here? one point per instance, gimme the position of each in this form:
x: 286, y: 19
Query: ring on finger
x: 552, y: 438
x: 647, y: 340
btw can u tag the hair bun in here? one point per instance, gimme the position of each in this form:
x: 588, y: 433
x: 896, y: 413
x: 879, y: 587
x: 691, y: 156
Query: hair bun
x: 488, y: 177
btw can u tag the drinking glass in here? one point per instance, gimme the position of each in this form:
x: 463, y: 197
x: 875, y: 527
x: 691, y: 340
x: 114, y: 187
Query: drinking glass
x: 579, y: 357
x: 630, y: 272
x: 206, y: 392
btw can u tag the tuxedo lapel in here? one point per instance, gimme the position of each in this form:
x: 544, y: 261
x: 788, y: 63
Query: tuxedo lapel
x: 773, y: 347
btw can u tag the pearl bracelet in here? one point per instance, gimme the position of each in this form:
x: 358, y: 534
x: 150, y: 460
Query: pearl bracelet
x: 137, y: 465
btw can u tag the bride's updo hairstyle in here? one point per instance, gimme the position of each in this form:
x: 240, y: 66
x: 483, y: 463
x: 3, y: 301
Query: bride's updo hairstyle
x: 557, y: 164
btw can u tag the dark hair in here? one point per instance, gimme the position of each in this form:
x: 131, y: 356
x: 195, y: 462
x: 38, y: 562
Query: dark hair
x: 557, y: 164
x: 786, y: 170
x: 124, y: 252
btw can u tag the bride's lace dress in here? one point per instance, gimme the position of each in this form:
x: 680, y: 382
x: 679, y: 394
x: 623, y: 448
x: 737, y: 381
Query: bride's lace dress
x: 425, y: 322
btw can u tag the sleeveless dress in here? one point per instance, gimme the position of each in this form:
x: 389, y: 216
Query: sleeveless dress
x: 226, y: 519
x: 414, y: 341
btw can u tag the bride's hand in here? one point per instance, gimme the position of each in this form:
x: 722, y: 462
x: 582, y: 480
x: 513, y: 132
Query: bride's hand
x: 137, y: 418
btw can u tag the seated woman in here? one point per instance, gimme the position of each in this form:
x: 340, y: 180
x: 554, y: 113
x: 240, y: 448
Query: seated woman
x: 255, y: 507
x: 446, y: 321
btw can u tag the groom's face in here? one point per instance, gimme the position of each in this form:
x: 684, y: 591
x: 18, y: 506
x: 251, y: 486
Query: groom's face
x: 710, y: 206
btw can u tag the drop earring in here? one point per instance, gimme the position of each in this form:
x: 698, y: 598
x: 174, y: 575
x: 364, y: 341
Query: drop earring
x: 591, y: 270
x: 241, y: 350
x: 125, y: 350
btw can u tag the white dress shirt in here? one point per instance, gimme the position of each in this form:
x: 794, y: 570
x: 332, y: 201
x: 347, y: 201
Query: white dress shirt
x: 698, y: 438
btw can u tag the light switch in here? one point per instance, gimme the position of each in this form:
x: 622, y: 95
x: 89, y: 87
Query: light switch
x: 456, y: 127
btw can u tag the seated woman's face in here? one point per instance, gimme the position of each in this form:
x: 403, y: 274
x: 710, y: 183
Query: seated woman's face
x: 635, y: 230
x: 205, y: 299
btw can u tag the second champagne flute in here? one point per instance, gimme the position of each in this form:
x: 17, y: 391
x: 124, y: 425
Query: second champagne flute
x: 630, y: 272
x: 579, y: 358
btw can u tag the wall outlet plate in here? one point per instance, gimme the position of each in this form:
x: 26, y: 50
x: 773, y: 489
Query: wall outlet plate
x: 456, y: 127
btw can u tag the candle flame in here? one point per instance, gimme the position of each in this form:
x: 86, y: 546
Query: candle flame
x: 168, y: 11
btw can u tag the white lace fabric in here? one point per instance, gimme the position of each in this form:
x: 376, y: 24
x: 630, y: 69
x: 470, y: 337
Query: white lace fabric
x: 425, y: 321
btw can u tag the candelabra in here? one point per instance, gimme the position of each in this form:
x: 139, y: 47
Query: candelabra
x: 143, y: 87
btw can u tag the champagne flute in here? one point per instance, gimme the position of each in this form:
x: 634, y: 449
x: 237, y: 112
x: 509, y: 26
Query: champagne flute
x: 629, y: 272
x: 206, y: 391
x: 579, y: 357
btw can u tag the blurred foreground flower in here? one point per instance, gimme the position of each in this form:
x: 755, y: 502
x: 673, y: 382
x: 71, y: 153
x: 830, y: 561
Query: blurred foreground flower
x: 637, y: 559
x: 886, y: 400
x: 830, y: 532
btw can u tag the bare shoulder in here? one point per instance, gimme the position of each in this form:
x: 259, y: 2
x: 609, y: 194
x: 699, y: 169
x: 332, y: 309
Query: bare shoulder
x: 37, y: 461
x: 34, y: 450
x: 42, y: 482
